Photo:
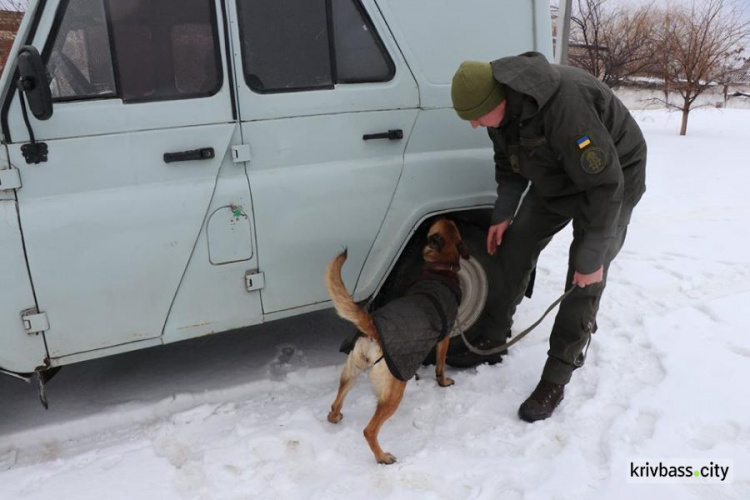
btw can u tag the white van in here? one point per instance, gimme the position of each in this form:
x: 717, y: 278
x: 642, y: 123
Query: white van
x: 178, y: 168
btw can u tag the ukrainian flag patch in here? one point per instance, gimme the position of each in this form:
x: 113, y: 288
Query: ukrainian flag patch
x: 583, y: 141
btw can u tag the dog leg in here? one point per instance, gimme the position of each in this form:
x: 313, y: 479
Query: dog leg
x: 388, y: 401
x: 441, y: 351
x: 348, y: 377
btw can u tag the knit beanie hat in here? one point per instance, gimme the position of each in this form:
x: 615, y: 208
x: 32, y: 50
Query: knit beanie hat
x: 474, y: 90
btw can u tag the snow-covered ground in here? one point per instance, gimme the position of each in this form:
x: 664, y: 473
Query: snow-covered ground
x: 232, y: 418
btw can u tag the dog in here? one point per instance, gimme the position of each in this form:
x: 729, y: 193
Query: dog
x: 395, y: 339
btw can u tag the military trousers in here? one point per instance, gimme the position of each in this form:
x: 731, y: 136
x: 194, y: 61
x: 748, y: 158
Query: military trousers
x: 532, y: 229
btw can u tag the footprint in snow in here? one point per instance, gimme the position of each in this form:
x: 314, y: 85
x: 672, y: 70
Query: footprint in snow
x: 288, y: 358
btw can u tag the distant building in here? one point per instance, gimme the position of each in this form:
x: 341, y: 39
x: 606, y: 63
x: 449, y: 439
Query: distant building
x: 9, y: 22
x: 743, y: 74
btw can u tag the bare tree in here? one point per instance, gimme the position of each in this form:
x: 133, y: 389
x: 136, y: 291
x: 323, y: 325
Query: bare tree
x: 699, y: 47
x: 611, y: 43
x: 662, y: 36
x: 586, y: 33
x: 627, y: 36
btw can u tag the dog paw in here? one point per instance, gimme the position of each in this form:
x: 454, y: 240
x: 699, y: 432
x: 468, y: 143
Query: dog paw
x: 446, y: 382
x: 386, y: 459
x: 335, y: 418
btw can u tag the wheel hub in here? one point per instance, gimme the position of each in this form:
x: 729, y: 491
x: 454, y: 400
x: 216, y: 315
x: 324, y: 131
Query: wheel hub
x: 474, y: 290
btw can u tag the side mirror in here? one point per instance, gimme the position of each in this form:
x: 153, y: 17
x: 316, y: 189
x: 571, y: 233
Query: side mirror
x: 34, y: 82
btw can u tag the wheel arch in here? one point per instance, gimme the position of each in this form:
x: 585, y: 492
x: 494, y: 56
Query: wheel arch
x: 375, y: 275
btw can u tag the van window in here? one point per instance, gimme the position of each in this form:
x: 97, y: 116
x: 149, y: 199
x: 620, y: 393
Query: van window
x: 360, y: 55
x: 141, y: 50
x: 285, y: 44
x: 296, y: 45
x: 80, y: 62
x: 165, y: 49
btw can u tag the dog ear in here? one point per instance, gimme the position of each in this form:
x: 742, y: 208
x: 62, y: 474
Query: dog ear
x: 436, y: 241
x: 463, y: 250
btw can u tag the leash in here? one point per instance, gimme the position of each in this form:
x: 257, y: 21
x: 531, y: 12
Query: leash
x: 495, y: 350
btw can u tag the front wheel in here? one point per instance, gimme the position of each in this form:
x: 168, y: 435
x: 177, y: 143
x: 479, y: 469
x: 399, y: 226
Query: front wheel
x: 475, y: 287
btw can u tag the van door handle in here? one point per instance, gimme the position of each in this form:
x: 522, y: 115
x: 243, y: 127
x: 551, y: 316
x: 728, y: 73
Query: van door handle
x: 392, y: 135
x: 193, y: 154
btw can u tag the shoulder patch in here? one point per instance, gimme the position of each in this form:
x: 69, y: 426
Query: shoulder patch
x: 583, y: 142
x: 593, y: 160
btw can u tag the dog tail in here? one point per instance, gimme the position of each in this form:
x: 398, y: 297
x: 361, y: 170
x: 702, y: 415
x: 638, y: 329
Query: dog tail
x: 345, y: 305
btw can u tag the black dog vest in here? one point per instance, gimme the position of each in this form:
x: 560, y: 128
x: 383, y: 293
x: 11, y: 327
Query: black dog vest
x: 410, y: 326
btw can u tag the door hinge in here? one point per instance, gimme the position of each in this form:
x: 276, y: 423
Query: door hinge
x: 254, y: 280
x: 10, y: 179
x: 240, y: 153
x: 34, y: 321
x: 35, y: 152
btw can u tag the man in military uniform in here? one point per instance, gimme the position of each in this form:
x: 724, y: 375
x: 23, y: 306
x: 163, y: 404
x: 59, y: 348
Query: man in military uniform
x: 563, y: 135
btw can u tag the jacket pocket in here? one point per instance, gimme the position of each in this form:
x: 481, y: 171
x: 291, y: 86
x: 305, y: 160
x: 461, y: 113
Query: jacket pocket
x: 533, y: 142
x: 538, y: 150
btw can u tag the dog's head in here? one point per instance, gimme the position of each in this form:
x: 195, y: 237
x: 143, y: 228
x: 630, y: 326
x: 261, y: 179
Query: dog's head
x: 444, y: 243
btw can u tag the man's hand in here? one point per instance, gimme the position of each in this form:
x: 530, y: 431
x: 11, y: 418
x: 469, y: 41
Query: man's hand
x: 495, y: 236
x: 583, y: 280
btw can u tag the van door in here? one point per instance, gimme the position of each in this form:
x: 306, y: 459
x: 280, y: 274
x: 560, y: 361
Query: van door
x: 327, y: 105
x: 142, y: 127
x: 21, y: 351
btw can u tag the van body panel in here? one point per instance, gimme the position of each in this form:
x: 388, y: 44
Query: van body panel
x: 212, y: 296
x: 20, y: 352
x: 436, y: 39
x: 318, y: 186
x: 109, y: 224
x: 124, y: 251
x: 107, y: 351
x: 112, y: 116
x: 448, y: 166
x: 109, y: 230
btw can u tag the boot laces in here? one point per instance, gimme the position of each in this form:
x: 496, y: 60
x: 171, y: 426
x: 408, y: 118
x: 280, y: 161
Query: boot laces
x: 546, y: 391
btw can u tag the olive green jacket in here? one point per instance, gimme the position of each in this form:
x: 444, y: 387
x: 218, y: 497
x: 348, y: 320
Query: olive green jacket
x: 571, y: 138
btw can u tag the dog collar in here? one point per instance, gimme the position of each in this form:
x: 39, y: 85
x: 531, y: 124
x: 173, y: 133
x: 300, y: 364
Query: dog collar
x: 442, y: 266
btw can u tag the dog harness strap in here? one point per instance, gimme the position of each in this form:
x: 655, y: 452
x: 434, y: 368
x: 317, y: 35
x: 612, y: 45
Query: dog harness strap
x: 382, y: 356
x: 439, y: 309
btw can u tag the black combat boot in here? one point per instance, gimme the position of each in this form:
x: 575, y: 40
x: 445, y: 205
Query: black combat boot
x: 542, y: 401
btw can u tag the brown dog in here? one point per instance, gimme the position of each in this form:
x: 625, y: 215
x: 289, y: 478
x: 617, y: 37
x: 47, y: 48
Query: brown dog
x: 396, y: 338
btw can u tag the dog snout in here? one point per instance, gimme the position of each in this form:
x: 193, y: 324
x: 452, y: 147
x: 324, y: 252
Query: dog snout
x: 436, y: 242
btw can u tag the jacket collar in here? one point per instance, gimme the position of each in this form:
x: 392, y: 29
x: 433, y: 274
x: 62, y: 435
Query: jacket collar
x: 531, y: 75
